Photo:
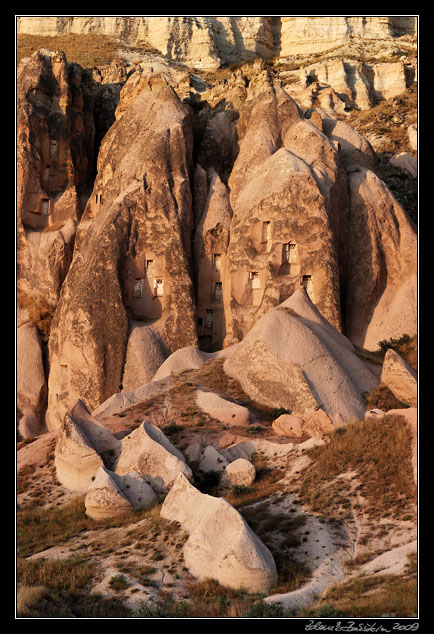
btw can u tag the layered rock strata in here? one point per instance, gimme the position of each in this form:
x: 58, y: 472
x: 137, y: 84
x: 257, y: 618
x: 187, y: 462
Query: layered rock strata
x: 207, y: 42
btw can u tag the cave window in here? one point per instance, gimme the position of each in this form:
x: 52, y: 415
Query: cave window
x: 138, y: 286
x: 217, y: 261
x: 209, y: 319
x: 308, y: 285
x: 266, y: 231
x: 159, y: 286
x: 288, y: 251
x: 45, y: 204
x: 149, y: 267
x: 218, y: 292
x: 254, y: 279
x: 47, y: 172
x: 53, y: 149
x: 199, y: 321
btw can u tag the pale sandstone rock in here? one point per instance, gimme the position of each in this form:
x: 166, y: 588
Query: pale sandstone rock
x: 222, y: 409
x: 288, y: 425
x: 389, y: 80
x: 83, y: 446
x: 220, y: 546
x: 381, y: 282
x: 189, y: 358
x: 392, y: 562
x: 412, y: 136
x: 399, y: 377
x: 105, y: 498
x: 317, y: 424
x: 355, y: 149
x: 286, y: 182
x: 240, y: 472
x: 212, y: 460
x: 406, y: 162
x: 31, y: 383
x: 76, y: 460
x: 120, y: 235
x: 295, y: 362
x: 144, y: 355
x: 111, y: 495
x: 207, y: 42
x: 122, y: 400
x: 147, y: 451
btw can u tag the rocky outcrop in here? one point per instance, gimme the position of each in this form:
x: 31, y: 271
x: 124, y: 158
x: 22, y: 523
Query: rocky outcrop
x: 288, y: 425
x: 399, y: 377
x: 293, y: 358
x: 207, y: 42
x: 111, y: 495
x: 83, y: 446
x: 220, y: 545
x: 221, y: 409
x: 381, y: 276
x: 31, y: 382
x: 132, y: 252
x: 239, y: 473
x: 288, y: 195
x: 147, y: 451
x: 55, y: 155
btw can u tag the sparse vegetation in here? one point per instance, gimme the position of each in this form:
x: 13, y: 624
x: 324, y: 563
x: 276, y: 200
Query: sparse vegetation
x: 86, y: 49
x: 369, y: 597
x: 379, y: 451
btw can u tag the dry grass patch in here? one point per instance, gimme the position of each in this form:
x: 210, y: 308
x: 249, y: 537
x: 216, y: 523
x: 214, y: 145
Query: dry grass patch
x: 379, y: 452
x: 87, y: 49
x: 366, y: 597
x: 381, y: 397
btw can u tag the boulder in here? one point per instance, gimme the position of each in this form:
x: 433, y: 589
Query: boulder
x: 400, y: 378
x: 220, y: 545
x: 111, y: 495
x: 189, y: 358
x: 317, y: 424
x: 405, y: 161
x: 147, y: 451
x: 212, y: 460
x: 122, y: 400
x: 412, y: 136
x: 76, y: 460
x: 83, y: 446
x: 288, y: 425
x: 240, y: 472
x: 222, y: 409
x: 293, y: 358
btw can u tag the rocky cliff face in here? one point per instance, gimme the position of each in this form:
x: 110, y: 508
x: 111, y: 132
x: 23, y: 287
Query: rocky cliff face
x: 207, y: 42
x: 132, y: 256
x: 212, y: 201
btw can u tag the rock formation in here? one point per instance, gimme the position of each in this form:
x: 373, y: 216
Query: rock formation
x: 222, y: 409
x: 132, y: 253
x: 147, y: 451
x: 239, y: 473
x: 31, y: 382
x: 399, y: 378
x: 221, y: 545
x: 111, y: 495
x: 55, y: 155
x: 293, y: 358
x: 207, y: 42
